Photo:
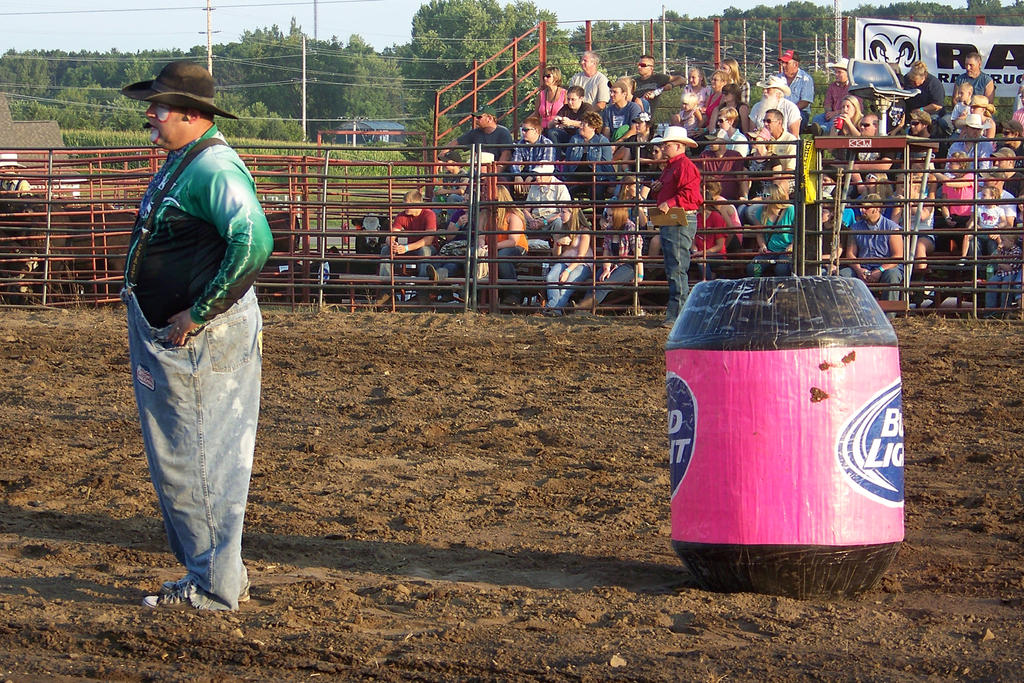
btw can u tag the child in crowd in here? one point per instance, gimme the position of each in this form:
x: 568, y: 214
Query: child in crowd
x: 696, y: 85
x: 1005, y: 283
x: 621, y: 245
x: 962, y: 94
x: 982, y: 107
x: 690, y: 115
x: 710, y: 239
x: 992, y: 220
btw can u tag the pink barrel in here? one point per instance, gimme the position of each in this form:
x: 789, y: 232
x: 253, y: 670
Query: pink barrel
x: 785, y: 436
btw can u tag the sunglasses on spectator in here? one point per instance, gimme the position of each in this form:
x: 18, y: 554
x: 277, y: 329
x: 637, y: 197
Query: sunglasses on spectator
x: 767, y: 122
x: 645, y: 66
x: 721, y: 120
x: 547, y: 75
x: 867, y: 124
x: 525, y: 129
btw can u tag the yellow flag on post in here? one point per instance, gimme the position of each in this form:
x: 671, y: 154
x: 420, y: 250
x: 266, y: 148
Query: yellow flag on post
x: 810, y: 188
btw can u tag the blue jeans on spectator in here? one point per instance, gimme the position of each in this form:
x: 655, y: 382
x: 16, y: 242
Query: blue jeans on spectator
x: 1003, y: 289
x: 764, y: 265
x: 705, y: 269
x: 676, y: 241
x: 559, y: 136
x: 892, y: 277
x: 507, y: 271
x: 421, y: 267
x: 198, y: 407
x: 559, y: 294
x: 622, y: 275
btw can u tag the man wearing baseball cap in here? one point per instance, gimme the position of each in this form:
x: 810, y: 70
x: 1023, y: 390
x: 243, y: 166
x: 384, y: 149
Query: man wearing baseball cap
x: 677, y: 188
x: 489, y: 134
x: 194, y: 331
x: 801, y: 85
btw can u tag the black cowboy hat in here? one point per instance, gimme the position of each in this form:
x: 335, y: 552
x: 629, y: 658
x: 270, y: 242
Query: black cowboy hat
x: 180, y: 84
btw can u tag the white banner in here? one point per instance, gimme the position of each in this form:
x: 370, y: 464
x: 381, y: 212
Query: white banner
x: 943, y: 48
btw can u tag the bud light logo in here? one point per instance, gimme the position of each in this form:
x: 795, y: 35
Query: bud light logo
x: 682, y: 426
x: 870, y: 447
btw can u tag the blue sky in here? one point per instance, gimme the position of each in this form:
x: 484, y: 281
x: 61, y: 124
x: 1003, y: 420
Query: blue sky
x: 133, y: 25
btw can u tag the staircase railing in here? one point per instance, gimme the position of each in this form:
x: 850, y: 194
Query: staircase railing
x: 521, y: 51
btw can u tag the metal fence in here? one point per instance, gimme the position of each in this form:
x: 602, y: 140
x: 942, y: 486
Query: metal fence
x: 63, y: 244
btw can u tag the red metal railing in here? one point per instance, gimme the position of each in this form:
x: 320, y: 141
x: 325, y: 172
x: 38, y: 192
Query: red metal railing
x: 471, y: 80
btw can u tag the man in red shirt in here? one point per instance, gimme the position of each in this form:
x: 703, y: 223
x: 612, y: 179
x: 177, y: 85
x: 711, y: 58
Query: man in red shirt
x: 677, y: 188
x: 418, y: 228
x: 717, y: 162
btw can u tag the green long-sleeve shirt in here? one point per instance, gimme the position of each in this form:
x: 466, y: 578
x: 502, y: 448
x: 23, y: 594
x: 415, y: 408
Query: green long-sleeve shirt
x: 210, y: 237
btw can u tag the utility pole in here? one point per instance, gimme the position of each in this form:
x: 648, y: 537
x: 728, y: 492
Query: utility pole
x: 664, y: 55
x: 838, y: 29
x: 744, y: 48
x: 305, y: 135
x: 209, y: 37
x: 764, y: 55
x: 315, y: 22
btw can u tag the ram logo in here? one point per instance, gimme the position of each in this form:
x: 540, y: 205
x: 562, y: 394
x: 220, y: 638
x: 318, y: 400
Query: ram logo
x: 893, y: 43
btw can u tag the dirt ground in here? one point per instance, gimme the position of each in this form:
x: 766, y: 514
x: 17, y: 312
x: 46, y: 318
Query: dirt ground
x: 440, y: 497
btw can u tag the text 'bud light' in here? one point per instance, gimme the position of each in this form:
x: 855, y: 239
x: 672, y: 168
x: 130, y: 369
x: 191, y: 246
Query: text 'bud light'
x: 870, y: 447
x: 682, y: 426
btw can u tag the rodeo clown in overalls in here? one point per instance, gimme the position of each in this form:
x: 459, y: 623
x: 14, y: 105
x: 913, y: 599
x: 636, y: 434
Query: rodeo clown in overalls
x: 194, y: 331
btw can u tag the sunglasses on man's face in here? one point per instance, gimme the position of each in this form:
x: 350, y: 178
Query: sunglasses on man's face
x: 645, y: 66
x: 547, y: 75
x: 869, y: 124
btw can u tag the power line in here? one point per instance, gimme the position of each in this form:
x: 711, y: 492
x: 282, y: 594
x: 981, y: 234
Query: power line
x: 149, y: 9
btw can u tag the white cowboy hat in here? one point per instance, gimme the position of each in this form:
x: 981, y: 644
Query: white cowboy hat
x: 974, y: 121
x: 10, y: 159
x: 544, y: 169
x: 842, y: 63
x: 675, y: 134
x: 775, y: 82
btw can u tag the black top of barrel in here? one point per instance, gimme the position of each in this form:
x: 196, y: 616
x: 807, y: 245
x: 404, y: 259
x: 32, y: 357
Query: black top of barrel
x: 771, y: 313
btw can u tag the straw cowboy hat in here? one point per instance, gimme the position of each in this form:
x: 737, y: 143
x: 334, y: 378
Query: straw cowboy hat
x: 982, y: 101
x: 974, y: 121
x: 9, y: 159
x: 777, y: 82
x: 843, y: 64
x: 181, y: 84
x: 675, y: 134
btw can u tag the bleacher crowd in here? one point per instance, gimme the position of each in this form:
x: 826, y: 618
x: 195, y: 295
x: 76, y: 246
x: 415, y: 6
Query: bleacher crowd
x: 575, y: 203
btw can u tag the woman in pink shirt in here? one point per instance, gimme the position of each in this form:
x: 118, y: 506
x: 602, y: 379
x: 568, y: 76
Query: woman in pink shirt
x: 551, y: 96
